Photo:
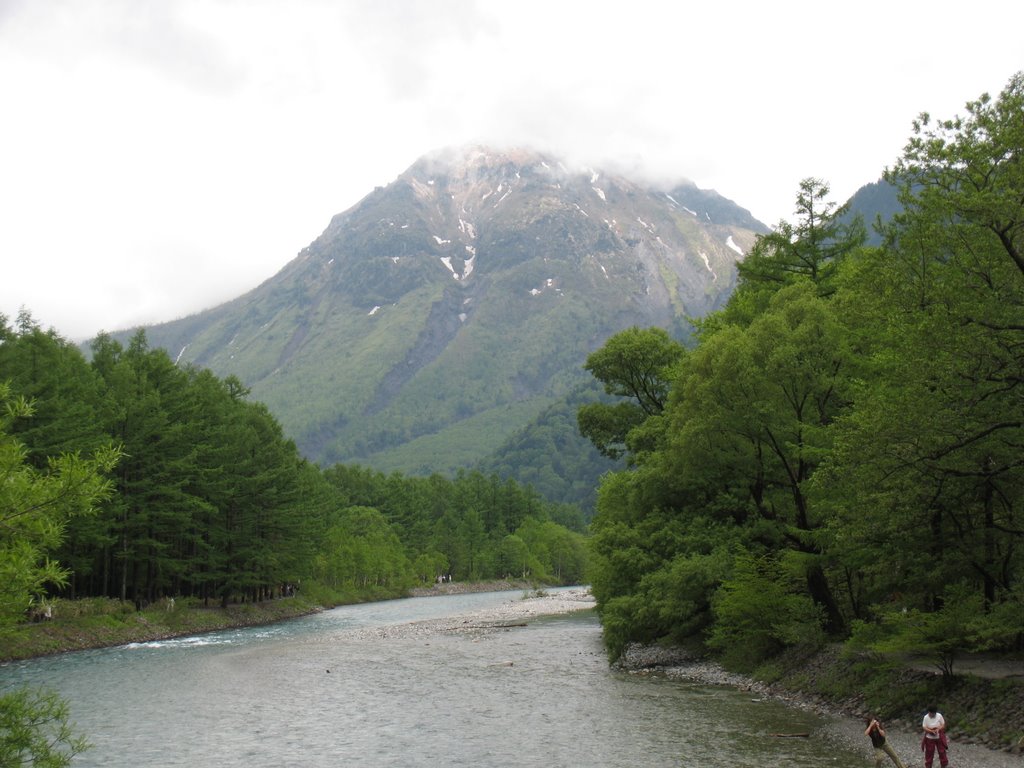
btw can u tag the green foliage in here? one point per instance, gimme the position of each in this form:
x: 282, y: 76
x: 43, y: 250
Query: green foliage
x: 362, y: 550
x: 677, y: 599
x: 635, y: 364
x: 928, y: 467
x: 607, y: 425
x: 429, y: 565
x: 812, y: 250
x: 620, y: 625
x: 960, y: 625
x: 474, y: 526
x: 551, y: 455
x: 210, y: 502
x: 852, y: 422
x: 34, y: 730
x: 761, y: 610
x: 35, y: 507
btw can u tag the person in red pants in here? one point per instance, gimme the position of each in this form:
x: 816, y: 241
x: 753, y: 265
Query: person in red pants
x: 934, y: 739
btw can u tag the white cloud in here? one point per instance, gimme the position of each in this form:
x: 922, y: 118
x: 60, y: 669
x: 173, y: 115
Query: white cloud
x: 159, y: 158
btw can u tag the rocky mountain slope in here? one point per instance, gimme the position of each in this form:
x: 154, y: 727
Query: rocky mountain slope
x: 445, y: 311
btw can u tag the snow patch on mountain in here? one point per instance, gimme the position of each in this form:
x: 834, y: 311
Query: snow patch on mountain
x: 707, y: 263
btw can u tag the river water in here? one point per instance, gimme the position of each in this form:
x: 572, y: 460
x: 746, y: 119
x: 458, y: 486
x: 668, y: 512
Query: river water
x: 313, y: 692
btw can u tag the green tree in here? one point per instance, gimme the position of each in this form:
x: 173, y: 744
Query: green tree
x: 744, y: 424
x: 446, y: 540
x: 634, y: 364
x: 148, y: 405
x: 473, y: 540
x: 374, y: 554
x: 963, y: 623
x: 762, y: 609
x: 429, y: 565
x: 63, y: 389
x: 35, y: 505
x: 34, y: 730
x: 514, y: 560
x: 812, y: 249
x: 65, y: 396
x: 262, y: 522
x: 752, y: 415
x: 932, y: 455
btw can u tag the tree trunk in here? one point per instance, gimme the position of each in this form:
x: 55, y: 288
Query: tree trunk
x: 821, y: 593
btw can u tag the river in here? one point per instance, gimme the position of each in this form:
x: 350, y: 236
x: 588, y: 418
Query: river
x: 317, y: 691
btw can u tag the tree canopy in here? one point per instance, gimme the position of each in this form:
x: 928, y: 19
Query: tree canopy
x: 200, y: 494
x: 842, y: 450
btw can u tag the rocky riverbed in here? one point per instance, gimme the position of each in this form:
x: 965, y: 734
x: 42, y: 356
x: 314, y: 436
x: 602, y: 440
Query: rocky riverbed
x: 843, y: 725
x: 512, y: 613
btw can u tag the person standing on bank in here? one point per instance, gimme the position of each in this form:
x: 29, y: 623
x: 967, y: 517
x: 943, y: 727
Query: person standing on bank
x: 934, y: 727
x: 876, y: 733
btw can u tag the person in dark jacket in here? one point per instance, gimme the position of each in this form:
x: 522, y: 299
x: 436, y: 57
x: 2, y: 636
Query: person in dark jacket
x: 876, y: 733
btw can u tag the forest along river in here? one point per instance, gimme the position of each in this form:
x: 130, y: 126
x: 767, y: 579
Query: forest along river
x: 357, y: 686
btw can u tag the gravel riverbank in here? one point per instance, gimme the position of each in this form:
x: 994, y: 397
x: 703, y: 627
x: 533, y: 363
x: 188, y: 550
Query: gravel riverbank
x: 842, y: 727
x: 513, y: 612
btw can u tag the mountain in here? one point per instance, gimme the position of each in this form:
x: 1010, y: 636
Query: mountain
x: 440, y: 314
x: 874, y: 202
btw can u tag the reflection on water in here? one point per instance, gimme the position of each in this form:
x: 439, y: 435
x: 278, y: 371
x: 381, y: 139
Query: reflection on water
x: 310, y: 692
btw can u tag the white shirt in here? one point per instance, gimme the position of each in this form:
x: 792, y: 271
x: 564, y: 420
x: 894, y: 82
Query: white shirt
x: 933, y: 722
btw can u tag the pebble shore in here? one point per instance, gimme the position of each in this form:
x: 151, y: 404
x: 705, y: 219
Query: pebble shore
x: 511, y: 613
x: 843, y: 728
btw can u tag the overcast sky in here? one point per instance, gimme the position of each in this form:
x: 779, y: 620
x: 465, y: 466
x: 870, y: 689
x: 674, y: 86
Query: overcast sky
x: 158, y: 158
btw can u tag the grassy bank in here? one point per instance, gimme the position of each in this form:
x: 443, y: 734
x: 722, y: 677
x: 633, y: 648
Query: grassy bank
x: 99, y: 622
x: 986, y: 709
x: 78, y: 625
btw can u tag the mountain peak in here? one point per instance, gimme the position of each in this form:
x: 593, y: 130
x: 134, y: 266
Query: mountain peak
x: 468, y: 158
x: 473, y: 161
x: 461, y: 300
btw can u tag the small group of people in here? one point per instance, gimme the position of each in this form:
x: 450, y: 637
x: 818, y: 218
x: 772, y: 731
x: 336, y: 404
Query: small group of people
x: 933, y: 740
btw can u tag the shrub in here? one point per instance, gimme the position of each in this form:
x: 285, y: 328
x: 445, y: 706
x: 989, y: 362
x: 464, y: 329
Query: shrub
x: 760, y: 611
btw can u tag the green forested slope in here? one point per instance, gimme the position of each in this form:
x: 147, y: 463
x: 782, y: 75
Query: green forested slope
x: 206, y: 499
